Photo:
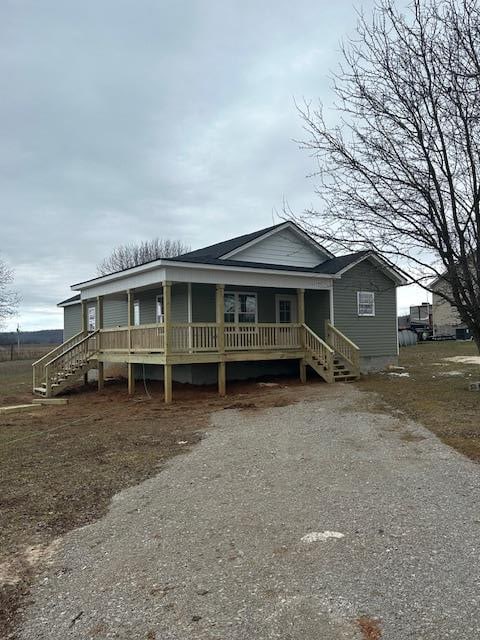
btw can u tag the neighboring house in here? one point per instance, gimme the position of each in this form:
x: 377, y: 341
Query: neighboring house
x: 445, y: 319
x: 272, y: 301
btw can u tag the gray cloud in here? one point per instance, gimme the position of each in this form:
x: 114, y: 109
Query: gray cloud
x: 124, y: 120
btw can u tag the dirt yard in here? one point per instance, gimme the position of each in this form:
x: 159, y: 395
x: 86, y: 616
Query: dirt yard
x: 60, y: 466
x: 433, y: 389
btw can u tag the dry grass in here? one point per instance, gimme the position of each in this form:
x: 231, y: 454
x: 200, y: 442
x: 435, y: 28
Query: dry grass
x: 434, y: 397
x: 61, y: 465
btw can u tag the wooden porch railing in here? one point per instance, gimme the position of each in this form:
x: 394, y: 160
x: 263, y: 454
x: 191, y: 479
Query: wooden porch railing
x: 253, y: 337
x: 196, y: 337
x: 343, y: 346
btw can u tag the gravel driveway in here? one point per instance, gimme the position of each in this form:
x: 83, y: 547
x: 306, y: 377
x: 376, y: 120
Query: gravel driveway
x: 212, y: 547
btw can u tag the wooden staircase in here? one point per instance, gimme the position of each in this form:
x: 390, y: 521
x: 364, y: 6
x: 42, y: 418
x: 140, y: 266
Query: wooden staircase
x: 335, y: 360
x: 65, y: 365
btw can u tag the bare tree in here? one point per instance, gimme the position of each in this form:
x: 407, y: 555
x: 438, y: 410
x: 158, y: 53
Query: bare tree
x: 8, y: 298
x: 400, y: 174
x: 132, y: 255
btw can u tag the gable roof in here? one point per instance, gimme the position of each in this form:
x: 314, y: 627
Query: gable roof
x: 216, y: 255
x: 223, y: 250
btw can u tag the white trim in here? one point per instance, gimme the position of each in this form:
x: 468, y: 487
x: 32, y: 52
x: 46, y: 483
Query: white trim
x: 293, y: 299
x: 393, y: 273
x: 69, y: 304
x: 366, y: 315
x: 162, y: 266
x: 287, y: 225
x: 237, y: 306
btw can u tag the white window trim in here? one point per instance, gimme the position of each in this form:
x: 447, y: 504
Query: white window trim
x: 237, y: 305
x: 366, y: 315
x: 293, y: 299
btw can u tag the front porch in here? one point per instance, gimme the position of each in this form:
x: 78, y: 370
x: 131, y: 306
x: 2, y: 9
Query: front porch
x: 296, y: 325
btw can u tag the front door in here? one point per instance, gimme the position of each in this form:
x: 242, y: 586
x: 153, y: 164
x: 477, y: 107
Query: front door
x: 286, y: 308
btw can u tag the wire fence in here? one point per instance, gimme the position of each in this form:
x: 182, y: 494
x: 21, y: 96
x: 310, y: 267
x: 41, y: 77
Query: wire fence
x: 10, y: 352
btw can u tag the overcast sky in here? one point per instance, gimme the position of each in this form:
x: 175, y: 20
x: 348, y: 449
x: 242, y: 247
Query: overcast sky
x: 121, y: 121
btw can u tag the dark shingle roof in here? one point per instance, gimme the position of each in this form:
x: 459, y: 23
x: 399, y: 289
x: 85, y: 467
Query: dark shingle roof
x: 219, y: 249
x: 334, y: 265
x: 68, y: 300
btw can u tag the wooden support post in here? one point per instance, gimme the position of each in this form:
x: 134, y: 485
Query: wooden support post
x: 100, y: 378
x: 301, y: 305
x: 84, y: 316
x: 167, y: 316
x: 303, y: 371
x: 131, y: 378
x: 220, y: 317
x: 222, y: 381
x: 220, y: 320
x: 130, y: 313
x: 167, y: 382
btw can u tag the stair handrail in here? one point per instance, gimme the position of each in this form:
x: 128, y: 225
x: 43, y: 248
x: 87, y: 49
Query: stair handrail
x: 42, y: 366
x: 39, y: 365
x: 315, y: 346
x: 56, y: 349
x: 90, y: 335
x: 345, y: 347
x: 51, y: 368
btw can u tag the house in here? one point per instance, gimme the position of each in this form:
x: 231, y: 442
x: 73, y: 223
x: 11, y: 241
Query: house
x: 445, y: 319
x: 272, y: 301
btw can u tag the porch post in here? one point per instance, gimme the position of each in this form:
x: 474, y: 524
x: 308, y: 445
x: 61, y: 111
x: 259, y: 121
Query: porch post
x: 167, y: 318
x: 220, y: 321
x: 131, y: 378
x: 301, y: 305
x: 301, y: 320
x: 84, y: 315
x: 167, y: 382
x: 100, y: 377
x: 129, y: 313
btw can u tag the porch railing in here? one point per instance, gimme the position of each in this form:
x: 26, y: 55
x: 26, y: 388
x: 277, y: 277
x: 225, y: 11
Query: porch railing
x: 200, y: 337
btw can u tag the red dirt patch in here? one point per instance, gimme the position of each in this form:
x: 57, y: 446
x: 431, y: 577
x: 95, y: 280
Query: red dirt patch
x: 370, y: 628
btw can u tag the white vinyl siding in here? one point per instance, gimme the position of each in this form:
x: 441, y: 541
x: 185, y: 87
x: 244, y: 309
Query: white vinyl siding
x: 284, y: 247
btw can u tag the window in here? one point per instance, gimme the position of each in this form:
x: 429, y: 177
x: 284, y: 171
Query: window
x: 159, y: 313
x: 92, y: 318
x: 240, y: 307
x: 366, y: 303
x: 136, y: 312
x: 284, y: 310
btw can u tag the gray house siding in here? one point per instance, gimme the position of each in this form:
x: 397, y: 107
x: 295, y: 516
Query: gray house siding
x: 317, y: 310
x: 72, y: 320
x: 115, y: 312
x: 376, y: 336
x: 285, y: 247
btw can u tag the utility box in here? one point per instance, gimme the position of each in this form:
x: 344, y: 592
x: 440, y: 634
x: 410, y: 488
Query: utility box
x: 474, y: 386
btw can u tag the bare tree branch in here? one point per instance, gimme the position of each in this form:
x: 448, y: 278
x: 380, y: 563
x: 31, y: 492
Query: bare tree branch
x: 9, y: 298
x: 132, y: 255
x: 400, y: 174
